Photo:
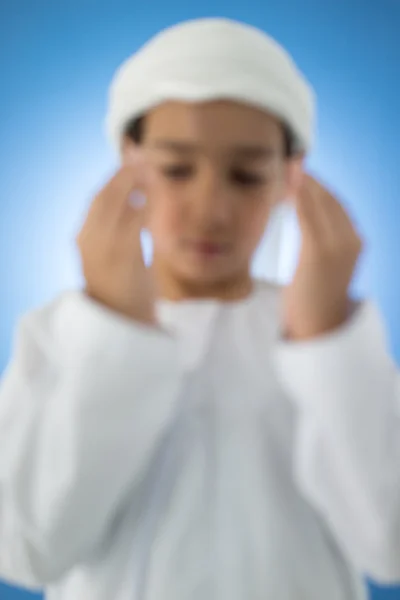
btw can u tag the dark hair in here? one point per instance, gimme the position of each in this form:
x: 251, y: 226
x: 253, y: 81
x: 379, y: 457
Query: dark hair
x: 135, y: 132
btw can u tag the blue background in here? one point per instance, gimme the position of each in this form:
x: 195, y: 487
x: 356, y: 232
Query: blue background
x: 56, y: 61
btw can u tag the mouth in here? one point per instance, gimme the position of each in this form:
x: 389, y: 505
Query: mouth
x: 207, y: 249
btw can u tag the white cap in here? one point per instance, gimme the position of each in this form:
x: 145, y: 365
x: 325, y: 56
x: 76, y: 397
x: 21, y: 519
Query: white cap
x: 212, y: 59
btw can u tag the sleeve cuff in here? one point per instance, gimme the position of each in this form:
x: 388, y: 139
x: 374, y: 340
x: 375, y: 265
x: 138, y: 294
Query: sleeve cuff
x: 351, y: 359
x: 84, y: 330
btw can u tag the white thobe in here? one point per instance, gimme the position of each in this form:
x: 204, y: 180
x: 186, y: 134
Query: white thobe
x: 208, y: 459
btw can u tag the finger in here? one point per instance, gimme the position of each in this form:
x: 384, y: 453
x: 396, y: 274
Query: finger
x: 143, y: 162
x: 115, y: 195
x: 108, y: 206
x: 294, y: 177
x: 137, y: 204
x: 118, y: 191
x: 332, y: 226
x: 339, y: 226
x: 310, y: 214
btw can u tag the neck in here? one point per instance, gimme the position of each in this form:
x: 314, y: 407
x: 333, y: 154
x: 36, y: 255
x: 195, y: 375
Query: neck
x: 175, y: 288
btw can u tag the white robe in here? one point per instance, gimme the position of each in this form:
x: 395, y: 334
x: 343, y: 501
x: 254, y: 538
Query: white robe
x: 212, y: 460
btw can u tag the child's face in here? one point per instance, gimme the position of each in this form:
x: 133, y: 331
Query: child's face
x: 220, y: 169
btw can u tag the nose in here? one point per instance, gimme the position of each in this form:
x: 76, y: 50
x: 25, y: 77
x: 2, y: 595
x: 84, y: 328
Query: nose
x: 211, y: 200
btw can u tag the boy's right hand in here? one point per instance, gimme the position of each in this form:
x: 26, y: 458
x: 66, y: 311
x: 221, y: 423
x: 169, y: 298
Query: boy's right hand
x: 110, y: 247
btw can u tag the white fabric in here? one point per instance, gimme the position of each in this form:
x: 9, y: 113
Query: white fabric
x: 211, y: 59
x: 211, y: 459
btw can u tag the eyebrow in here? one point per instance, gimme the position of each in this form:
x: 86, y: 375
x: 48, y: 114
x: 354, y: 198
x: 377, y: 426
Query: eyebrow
x: 245, y: 151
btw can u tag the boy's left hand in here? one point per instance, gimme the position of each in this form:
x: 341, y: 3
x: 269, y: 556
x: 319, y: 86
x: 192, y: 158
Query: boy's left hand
x: 317, y: 300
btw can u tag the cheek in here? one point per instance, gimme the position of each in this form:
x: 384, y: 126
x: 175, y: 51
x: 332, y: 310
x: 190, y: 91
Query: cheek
x: 252, y: 223
x: 258, y: 211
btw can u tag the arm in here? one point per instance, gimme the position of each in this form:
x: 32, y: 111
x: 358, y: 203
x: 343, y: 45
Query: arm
x: 83, y: 405
x: 347, y: 462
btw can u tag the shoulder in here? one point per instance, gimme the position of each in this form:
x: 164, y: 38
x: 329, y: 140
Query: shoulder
x: 39, y: 321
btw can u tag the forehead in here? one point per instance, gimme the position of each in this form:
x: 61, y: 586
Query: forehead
x: 220, y: 123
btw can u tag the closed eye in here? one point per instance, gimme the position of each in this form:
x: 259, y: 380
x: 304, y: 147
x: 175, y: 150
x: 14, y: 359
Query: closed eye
x: 244, y: 178
x: 239, y: 177
x: 178, y: 171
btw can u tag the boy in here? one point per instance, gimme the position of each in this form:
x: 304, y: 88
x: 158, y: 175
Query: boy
x: 183, y: 431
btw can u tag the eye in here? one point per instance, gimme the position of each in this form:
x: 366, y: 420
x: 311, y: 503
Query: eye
x: 178, y: 172
x: 247, y: 179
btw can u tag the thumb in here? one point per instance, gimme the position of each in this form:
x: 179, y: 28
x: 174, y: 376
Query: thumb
x: 133, y: 157
x: 139, y: 160
x: 294, y: 177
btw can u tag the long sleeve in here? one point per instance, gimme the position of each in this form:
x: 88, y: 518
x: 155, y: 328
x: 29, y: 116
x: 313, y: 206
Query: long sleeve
x: 346, y: 388
x: 83, y: 405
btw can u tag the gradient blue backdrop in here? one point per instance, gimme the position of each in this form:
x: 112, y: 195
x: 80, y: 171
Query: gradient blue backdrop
x: 56, y: 61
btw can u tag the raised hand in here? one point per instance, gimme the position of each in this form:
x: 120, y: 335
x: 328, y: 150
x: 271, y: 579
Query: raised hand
x: 317, y: 300
x: 110, y: 246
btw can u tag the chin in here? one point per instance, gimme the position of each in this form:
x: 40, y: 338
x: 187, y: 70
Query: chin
x: 208, y: 275
x: 200, y: 276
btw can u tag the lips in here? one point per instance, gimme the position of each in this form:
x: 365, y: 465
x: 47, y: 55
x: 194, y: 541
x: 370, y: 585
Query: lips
x: 208, y: 248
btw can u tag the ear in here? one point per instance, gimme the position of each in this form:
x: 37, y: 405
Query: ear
x: 294, y: 176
